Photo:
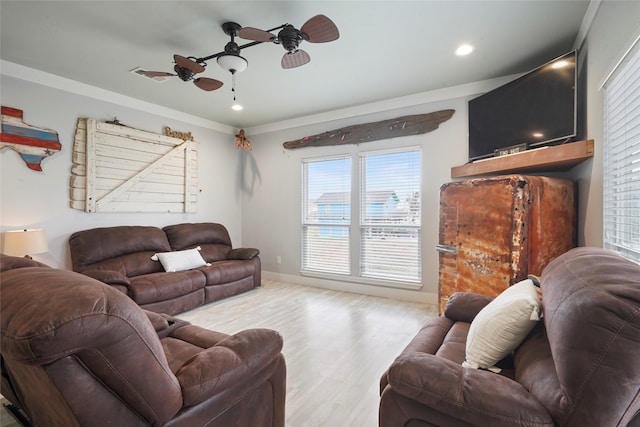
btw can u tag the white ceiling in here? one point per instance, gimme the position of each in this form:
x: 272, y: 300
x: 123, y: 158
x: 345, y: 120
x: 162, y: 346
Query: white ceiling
x: 386, y: 49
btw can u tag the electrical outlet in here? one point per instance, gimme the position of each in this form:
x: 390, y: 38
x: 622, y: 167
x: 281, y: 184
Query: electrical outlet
x: 278, y: 259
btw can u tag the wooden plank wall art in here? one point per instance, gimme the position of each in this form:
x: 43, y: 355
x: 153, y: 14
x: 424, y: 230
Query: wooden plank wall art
x: 33, y: 144
x: 402, y: 126
x: 117, y: 168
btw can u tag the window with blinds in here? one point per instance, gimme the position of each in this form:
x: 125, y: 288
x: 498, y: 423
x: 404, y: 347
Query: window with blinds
x: 621, y: 193
x: 390, y: 215
x: 326, y: 215
x: 361, y: 216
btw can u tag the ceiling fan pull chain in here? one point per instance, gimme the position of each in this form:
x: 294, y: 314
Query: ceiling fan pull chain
x: 233, y: 85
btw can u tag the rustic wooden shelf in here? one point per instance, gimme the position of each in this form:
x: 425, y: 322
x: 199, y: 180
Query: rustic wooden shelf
x: 544, y: 159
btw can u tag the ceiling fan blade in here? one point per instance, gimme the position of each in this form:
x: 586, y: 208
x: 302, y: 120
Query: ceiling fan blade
x: 295, y: 59
x: 255, y: 34
x: 320, y: 29
x: 153, y: 74
x: 188, y: 64
x: 207, y: 84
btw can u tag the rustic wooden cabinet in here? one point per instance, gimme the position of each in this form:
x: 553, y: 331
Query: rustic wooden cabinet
x: 495, y: 231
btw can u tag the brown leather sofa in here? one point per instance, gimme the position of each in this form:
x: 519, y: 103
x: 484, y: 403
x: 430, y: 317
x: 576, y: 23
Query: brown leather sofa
x: 76, y: 352
x: 579, y: 367
x: 121, y: 257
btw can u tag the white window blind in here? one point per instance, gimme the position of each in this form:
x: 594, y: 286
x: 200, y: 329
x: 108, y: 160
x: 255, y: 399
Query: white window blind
x: 361, y: 216
x: 621, y: 193
x: 390, y: 215
x: 326, y: 215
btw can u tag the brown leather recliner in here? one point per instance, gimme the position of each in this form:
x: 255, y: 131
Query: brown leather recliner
x: 579, y: 367
x: 77, y: 352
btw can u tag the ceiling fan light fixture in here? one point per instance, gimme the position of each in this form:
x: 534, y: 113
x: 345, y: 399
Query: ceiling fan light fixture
x: 464, y: 49
x: 236, y: 107
x: 232, y: 63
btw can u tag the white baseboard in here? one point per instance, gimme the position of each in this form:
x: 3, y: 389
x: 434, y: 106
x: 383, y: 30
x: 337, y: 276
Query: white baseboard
x: 356, y: 288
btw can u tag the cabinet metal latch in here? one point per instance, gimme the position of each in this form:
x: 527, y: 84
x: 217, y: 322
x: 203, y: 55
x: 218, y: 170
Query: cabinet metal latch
x: 447, y: 249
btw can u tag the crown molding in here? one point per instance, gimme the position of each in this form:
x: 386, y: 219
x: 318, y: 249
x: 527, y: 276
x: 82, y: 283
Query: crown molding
x: 51, y: 80
x: 21, y: 72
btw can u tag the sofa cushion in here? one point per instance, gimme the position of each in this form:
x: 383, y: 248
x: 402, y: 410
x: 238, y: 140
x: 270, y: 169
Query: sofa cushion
x: 453, y: 344
x: 155, y: 287
x: 211, y: 237
x: 129, y: 265
x: 110, y: 277
x: 227, y: 271
x: 473, y: 397
x: 180, y: 260
x: 127, y: 249
x: 217, y: 364
x: 502, y: 325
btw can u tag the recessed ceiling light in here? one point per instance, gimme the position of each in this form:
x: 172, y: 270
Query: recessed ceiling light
x: 237, y: 107
x: 464, y: 49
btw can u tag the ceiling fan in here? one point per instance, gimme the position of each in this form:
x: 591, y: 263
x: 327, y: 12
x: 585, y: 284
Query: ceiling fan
x: 318, y: 29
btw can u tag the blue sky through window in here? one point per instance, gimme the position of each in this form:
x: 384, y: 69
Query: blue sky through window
x: 328, y: 176
x: 398, y: 172
x: 398, y: 169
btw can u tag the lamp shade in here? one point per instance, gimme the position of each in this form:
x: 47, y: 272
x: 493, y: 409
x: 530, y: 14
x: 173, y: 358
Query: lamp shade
x: 232, y: 63
x: 25, y: 242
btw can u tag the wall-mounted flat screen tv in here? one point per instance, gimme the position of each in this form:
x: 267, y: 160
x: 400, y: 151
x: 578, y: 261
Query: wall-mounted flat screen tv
x: 539, y: 108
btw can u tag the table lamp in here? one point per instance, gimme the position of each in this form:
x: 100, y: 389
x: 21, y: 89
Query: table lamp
x: 25, y: 242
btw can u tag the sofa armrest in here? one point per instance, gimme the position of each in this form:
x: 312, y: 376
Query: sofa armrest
x: 475, y: 396
x: 231, y: 361
x: 110, y: 277
x: 243, y: 253
x: 465, y: 306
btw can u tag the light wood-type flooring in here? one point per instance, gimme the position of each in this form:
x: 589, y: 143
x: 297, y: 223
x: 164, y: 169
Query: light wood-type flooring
x: 336, y: 345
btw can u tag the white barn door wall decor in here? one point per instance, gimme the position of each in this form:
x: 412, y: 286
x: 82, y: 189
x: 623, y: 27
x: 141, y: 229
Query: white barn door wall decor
x: 121, y: 169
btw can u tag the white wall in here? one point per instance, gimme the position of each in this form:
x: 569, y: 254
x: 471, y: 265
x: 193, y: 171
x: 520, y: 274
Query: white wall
x: 273, y: 178
x: 275, y: 190
x: 256, y: 194
x: 30, y: 199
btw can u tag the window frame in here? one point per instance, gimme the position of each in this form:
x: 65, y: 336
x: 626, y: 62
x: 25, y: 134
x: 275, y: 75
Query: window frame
x: 355, y: 275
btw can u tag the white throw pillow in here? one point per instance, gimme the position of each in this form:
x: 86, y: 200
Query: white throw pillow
x: 180, y: 260
x: 501, y: 325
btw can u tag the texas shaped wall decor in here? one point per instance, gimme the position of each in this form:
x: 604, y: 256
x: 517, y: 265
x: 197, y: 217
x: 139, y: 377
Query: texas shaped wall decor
x: 33, y: 144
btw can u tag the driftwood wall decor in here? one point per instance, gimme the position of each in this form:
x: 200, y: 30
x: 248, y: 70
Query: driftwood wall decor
x: 122, y: 169
x: 386, y: 129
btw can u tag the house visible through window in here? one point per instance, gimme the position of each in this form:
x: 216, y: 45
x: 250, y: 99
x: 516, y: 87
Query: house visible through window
x: 362, y: 216
x: 390, y: 216
x: 621, y: 193
x: 326, y: 215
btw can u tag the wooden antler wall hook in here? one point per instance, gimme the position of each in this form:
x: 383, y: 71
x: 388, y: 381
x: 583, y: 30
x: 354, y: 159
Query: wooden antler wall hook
x: 242, y: 142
